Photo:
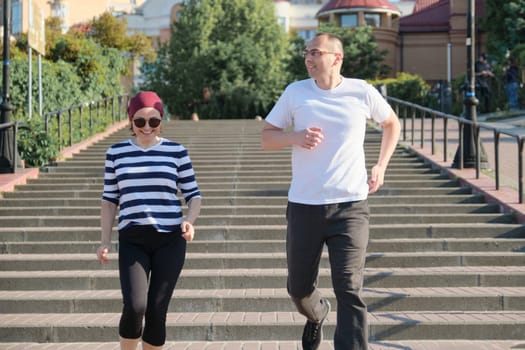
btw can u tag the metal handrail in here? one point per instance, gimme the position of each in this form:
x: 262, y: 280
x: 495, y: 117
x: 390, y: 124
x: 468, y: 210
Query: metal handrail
x: 462, y: 122
x: 116, y: 115
x: 3, y: 128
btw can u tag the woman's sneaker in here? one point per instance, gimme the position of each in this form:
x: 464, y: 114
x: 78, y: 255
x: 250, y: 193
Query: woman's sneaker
x: 313, y: 332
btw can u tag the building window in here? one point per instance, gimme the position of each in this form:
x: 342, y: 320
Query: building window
x: 16, y: 19
x: 373, y: 19
x: 306, y: 34
x: 349, y: 20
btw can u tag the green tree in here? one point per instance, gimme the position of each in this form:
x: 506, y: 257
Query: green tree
x: 53, y: 32
x: 504, y: 23
x: 111, y: 32
x: 234, y: 49
x: 99, y: 68
x: 296, y: 68
x: 363, y: 59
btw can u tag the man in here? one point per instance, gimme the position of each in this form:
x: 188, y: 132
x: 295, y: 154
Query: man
x: 484, y: 74
x: 324, y: 119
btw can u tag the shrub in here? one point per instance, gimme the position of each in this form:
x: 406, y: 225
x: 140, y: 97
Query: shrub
x: 408, y: 87
x: 35, y: 146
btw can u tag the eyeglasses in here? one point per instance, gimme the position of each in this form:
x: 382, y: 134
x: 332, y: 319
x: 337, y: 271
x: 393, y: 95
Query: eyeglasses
x: 141, y: 122
x: 316, y: 53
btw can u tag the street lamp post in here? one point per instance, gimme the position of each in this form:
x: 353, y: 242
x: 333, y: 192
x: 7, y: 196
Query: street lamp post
x: 7, y: 163
x: 471, y: 103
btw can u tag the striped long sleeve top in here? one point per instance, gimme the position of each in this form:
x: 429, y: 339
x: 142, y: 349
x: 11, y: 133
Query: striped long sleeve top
x: 144, y: 183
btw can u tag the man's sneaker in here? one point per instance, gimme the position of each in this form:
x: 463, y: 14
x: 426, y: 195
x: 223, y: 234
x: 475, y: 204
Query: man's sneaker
x: 313, y: 332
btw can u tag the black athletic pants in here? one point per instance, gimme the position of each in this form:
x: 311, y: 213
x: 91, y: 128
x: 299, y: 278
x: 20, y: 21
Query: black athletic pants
x: 150, y: 263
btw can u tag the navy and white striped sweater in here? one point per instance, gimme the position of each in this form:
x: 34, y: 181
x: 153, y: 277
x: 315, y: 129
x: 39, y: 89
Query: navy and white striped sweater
x: 145, y: 183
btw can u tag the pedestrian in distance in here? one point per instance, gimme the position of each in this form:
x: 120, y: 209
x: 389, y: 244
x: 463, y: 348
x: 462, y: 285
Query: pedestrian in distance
x: 142, y: 178
x: 512, y: 82
x: 324, y: 120
x: 484, y: 75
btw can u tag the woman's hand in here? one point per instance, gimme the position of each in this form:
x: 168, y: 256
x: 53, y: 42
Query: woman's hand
x: 102, y: 253
x: 188, y: 232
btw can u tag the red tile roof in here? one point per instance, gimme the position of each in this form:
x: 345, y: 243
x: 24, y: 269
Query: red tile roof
x: 348, y: 4
x: 423, y: 4
x: 432, y: 16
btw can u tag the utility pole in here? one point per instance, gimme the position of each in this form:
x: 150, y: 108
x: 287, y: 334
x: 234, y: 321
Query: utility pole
x: 470, y: 101
x: 7, y: 163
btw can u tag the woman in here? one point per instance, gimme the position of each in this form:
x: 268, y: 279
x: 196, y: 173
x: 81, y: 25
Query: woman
x: 142, y: 177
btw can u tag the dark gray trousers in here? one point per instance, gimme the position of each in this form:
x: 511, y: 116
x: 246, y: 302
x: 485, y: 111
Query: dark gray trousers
x: 344, y: 228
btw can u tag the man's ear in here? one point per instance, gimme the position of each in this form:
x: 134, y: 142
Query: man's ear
x: 338, y: 59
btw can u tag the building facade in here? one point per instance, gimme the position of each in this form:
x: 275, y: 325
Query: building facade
x: 432, y: 41
x: 424, y: 37
x: 71, y: 12
x: 381, y: 15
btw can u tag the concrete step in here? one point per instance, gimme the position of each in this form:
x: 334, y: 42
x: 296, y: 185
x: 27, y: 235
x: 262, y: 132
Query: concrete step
x: 238, y: 148
x: 107, y: 278
x: 264, y: 326
x: 263, y: 161
x: 416, y: 200
x: 75, y: 179
x: 427, y: 276
x: 250, y: 210
x: 210, y: 260
x: 280, y: 191
x: 426, y: 245
x: 456, y: 344
x: 238, y: 185
x: 261, y: 219
x: 269, y: 299
x: 273, y: 232
x: 98, y: 171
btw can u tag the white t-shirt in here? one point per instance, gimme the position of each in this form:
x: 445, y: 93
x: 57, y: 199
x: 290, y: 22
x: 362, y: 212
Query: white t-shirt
x: 335, y: 170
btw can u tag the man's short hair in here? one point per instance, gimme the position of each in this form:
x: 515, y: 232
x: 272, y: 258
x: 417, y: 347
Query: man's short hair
x: 332, y: 38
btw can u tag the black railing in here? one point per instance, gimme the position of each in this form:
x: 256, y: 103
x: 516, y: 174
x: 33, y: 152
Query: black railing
x: 114, y: 105
x: 406, y: 110
x: 4, y: 128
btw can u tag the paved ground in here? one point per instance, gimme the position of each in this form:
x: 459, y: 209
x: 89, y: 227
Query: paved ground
x: 506, y: 196
x: 409, y: 345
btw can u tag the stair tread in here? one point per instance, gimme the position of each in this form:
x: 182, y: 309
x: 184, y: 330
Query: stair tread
x: 237, y: 255
x: 451, y: 270
x: 283, y: 345
x: 262, y: 318
x: 267, y: 293
x: 412, y: 302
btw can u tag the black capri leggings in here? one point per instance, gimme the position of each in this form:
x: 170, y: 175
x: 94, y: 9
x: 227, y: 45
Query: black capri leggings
x: 145, y: 254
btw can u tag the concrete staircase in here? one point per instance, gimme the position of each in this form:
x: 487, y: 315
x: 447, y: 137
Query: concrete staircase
x: 443, y: 265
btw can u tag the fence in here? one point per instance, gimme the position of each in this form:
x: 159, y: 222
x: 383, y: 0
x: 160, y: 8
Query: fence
x: 426, y: 118
x: 77, y: 126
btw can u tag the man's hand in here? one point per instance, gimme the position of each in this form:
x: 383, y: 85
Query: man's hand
x: 311, y: 138
x: 377, y: 178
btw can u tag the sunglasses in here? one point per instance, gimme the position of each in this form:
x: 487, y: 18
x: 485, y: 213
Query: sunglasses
x: 141, y: 122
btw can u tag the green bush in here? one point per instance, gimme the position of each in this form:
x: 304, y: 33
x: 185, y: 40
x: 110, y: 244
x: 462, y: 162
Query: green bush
x: 35, y: 146
x: 408, y: 87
